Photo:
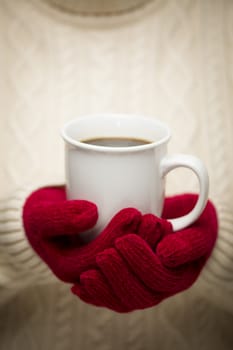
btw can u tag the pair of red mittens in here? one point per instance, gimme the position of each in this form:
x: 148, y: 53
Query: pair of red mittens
x: 136, y: 261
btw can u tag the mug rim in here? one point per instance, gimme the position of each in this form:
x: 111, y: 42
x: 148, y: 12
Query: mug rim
x: 86, y: 146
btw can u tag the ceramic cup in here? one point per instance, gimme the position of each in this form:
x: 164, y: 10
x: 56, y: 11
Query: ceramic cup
x: 118, y: 177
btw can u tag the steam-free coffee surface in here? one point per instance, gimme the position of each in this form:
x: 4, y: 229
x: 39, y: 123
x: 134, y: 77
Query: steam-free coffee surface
x: 116, y: 142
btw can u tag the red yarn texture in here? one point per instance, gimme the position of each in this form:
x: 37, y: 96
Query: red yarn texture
x: 136, y: 262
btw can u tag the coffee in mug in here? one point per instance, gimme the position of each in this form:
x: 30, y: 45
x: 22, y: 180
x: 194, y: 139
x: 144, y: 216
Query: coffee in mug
x: 116, y: 141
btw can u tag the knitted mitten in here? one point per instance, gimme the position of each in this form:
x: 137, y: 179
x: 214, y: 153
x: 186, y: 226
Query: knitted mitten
x: 135, y: 263
x: 53, y: 226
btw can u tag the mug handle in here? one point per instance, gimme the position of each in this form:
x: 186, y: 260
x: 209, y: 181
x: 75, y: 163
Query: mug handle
x: 182, y: 160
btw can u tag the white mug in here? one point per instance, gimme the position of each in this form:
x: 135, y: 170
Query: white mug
x: 118, y: 177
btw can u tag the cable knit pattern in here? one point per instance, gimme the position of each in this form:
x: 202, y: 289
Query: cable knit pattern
x: 19, y: 257
x: 26, y: 93
x: 99, y: 330
x: 169, y: 59
x: 64, y: 319
x: 219, y: 271
x: 215, y: 98
x: 135, y: 340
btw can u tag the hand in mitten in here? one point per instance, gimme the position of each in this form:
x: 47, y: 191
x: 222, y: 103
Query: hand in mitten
x: 136, y: 261
x: 144, y: 268
x: 53, y: 226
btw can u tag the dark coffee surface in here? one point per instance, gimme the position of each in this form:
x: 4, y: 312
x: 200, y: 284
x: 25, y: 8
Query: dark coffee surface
x: 116, y: 142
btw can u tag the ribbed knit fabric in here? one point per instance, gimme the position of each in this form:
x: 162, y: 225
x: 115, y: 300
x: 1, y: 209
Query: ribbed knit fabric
x: 17, y: 256
x: 171, y: 60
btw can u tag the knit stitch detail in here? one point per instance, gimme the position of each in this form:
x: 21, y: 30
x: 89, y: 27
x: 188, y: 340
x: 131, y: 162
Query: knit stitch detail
x: 21, y: 258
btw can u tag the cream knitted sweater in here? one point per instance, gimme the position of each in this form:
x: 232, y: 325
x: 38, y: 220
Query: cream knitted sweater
x: 168, y: 59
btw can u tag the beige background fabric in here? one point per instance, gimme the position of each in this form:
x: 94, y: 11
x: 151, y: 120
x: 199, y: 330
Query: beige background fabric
x: 165, y: 59
x: 97, y: 7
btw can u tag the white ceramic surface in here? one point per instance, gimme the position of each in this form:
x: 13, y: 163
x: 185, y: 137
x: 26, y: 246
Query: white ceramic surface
x: 118, y: 177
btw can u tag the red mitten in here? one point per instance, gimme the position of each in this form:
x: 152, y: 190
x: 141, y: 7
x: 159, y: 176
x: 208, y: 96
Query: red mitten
x: 135, y: 274
x: 134, y: 263
x: 53, y: 226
